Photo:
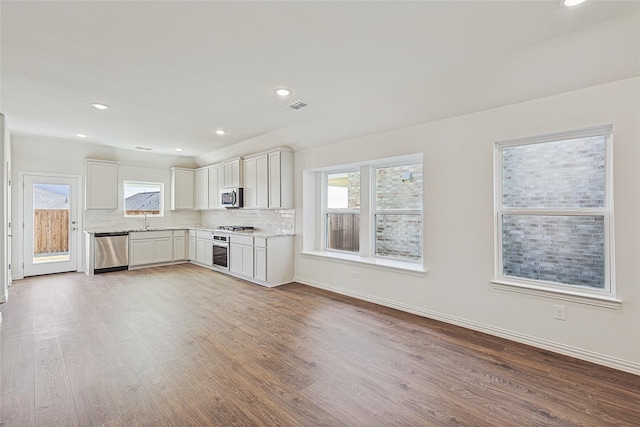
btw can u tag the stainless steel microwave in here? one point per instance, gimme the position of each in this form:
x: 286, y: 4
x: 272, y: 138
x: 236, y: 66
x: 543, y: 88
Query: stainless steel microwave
x: 232, y: 197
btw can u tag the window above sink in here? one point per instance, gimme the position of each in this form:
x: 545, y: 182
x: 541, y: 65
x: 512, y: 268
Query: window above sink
x: 143, y: 199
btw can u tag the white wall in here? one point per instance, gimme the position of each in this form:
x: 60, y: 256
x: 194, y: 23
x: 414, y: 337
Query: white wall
x: 35, y: 154
x: 459, y: 225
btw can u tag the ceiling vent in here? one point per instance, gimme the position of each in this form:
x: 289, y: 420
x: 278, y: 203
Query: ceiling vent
x: 143, y: 148
x: 298, y: 105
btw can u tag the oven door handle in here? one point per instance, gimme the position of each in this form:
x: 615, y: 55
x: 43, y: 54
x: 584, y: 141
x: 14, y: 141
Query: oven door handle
x: 220, y: 245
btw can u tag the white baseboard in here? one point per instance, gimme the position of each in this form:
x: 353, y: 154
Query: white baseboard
x: 578, y: 353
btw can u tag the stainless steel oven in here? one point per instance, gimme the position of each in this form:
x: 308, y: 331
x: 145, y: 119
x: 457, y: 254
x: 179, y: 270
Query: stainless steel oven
x: 221, y: 251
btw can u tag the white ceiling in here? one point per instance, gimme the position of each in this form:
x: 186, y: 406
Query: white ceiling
x: 174, y: 71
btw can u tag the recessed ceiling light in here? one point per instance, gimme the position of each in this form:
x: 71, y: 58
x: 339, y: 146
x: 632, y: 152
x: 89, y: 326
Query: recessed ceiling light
x: 100, y: 106
x: 283, y: 92
x: 570, y: 3
x: 178, y: 149
x: 81, y: 135
x: 221, y: 132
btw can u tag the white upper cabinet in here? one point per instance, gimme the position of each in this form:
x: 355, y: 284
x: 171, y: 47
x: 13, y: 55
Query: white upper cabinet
x: 215, y: 179
x: 250, y: 200
x: 182, y: 194
x: 268, y: 180
x: 281, y: 179
x: 232, y: 176
x: 101, y: 185
x: 256, y: 177
x: 202, y: 189
x: 262, y: 181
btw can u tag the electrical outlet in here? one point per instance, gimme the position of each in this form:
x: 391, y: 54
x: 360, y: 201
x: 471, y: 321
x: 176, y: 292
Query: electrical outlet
x: 560, y: 312
x: 355, y: 274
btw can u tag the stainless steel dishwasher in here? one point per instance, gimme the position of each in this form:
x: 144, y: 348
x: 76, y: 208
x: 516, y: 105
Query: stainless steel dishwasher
x: 111, y: 252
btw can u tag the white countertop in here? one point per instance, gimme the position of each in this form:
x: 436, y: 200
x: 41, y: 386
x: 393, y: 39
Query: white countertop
x: 253, y: 233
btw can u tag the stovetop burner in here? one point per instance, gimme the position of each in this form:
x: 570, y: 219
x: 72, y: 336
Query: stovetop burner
x: 235, y: 228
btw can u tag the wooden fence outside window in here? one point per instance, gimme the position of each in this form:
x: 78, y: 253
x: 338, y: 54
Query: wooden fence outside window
x: 50, y: 231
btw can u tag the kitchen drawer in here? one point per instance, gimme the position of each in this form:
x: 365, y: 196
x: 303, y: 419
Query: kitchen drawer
x: 260, y: 242
x: 179, y: 233
x: 137, y: 235
x: 202, y: 234
x: 242, y: 240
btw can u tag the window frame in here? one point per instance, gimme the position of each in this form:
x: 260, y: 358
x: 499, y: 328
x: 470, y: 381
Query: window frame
x: 317, y: 245
x: 142, y: 184
x: 606, y: 212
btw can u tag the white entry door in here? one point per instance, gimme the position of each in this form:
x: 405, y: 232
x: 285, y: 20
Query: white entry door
x: 50, y: 224
x: 9, y: 227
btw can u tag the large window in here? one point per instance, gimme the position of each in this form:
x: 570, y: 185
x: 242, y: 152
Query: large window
x: 553, y: 211
x: 143, y: 198
x: 374, y: 210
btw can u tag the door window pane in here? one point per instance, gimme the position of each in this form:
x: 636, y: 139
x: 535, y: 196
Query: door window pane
x: 50, y: 223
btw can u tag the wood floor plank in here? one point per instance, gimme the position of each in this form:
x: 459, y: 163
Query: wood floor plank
x: 54, y: 403
x: 17, y: 411
x: 171, y: 400
x: 91, y: 387
x: 133, y: 402
x: 183, y: 345
x: 17, y: 365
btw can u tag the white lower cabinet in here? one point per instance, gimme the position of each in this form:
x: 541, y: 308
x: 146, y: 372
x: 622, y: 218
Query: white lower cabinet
x: 180, y: 245
x: 241, y: 255
x: 260, y: 259
x: 192, y: 245
x: 141, y: 252
x: 150, y: 247
x: 163, y: 250
x: 267, y: 261
x: 204, y: 248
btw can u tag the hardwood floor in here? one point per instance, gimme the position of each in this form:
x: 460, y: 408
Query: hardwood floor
x: 185, y: 346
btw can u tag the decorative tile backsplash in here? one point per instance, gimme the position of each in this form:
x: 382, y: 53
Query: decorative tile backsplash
x: 100, y: 220
x: 279, y: 220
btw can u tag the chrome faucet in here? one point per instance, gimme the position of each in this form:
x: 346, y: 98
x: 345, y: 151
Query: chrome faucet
x: 146, y: 222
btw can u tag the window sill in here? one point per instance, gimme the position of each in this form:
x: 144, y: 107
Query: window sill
x: 383, y: 264
x: 577, y: 297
